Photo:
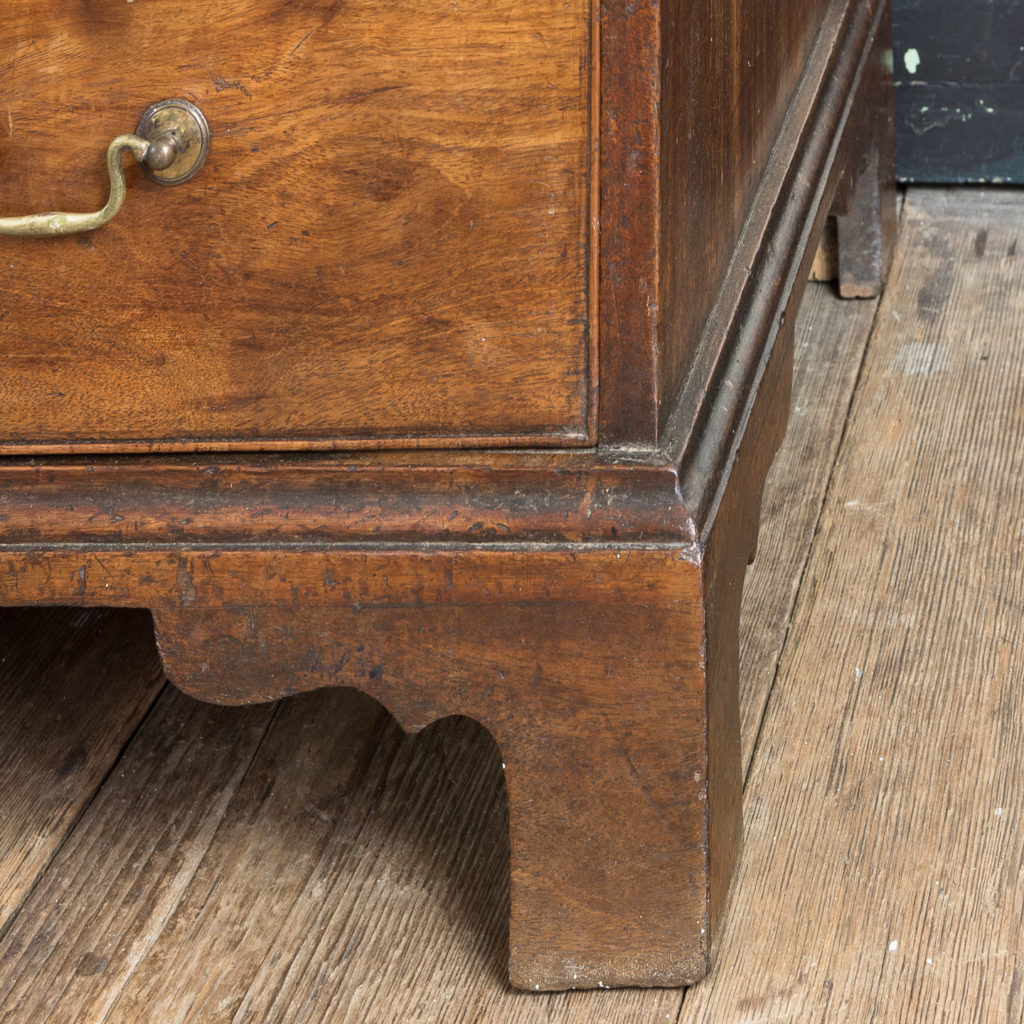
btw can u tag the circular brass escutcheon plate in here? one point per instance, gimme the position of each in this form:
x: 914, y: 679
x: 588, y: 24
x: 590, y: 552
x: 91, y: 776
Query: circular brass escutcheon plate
x: 184, y: 122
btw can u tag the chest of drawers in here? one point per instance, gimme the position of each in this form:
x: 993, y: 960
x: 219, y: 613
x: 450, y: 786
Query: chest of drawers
x: 453, y: 375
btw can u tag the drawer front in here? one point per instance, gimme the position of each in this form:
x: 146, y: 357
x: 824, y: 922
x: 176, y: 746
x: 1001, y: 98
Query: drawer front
x: 388, y: 244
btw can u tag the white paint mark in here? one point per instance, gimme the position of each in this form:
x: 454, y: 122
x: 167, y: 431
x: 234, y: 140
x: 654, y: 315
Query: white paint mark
x: 999, y: 812
x: 912, y: 61
x: 921, y: 359
x: 859, y: 673
x: 928, y: 960
x: 893, y: 946
x: 923, y: 119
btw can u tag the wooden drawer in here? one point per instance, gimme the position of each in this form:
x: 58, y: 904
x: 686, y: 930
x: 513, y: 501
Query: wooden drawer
x: 389, y: 240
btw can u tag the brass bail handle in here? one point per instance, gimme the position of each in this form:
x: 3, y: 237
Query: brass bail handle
x: 170, y: 144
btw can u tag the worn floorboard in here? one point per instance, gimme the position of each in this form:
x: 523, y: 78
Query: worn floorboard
x: 830, y: 342
x: 883, y: 874
x: 74, y: 685
x: 94, y: 915
x: 307, y: 862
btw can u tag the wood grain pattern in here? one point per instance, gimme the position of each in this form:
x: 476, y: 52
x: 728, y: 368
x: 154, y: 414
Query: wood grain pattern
x: 403, y: 916
x: 881, y: 879
x: 866, y: 221
x: 110, y: 675
x: 831, y: 336
x: 602, y: 657
x: 722, y: 119
x: 681, y: 163
x: 731, y: 544
x: 503, y: 498
x: 585, y: 664
x: 355, y: 873
x: 391, y: 230
x: 759, y: 301
x: 67, y: 957
x: 826, y: 259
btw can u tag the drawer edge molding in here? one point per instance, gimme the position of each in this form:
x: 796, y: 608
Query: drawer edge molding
x: 819, y: 154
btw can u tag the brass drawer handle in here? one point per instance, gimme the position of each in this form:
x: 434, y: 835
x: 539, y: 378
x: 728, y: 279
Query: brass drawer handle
x: 170, y: 144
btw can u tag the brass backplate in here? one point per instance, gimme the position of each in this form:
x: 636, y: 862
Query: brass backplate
x: 184, y: 122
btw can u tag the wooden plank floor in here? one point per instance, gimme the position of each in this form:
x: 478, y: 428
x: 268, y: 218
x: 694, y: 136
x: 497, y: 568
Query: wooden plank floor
x: 166, y: 861
x: 883, y: 875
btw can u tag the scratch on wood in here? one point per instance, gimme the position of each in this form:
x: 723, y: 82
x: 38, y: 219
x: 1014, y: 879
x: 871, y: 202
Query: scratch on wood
x: 220, y: 84
x: 301, y: 42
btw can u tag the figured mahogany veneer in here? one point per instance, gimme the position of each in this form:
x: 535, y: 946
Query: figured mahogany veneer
x: 544, y: 294
x: 391, y: 230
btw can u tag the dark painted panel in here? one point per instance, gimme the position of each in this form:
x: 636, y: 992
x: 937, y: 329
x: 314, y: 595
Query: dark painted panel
x: 959, y: 68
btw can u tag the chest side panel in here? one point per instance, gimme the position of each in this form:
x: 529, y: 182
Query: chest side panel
x: 729, y: 71
x: 388, y: 243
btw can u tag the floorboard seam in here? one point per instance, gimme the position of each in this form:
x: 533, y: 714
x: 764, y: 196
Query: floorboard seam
x: 840, y: 445
x: 381, y: 730
x: 241, y: 779
x: 82, y: 811
x: 825, y: 495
